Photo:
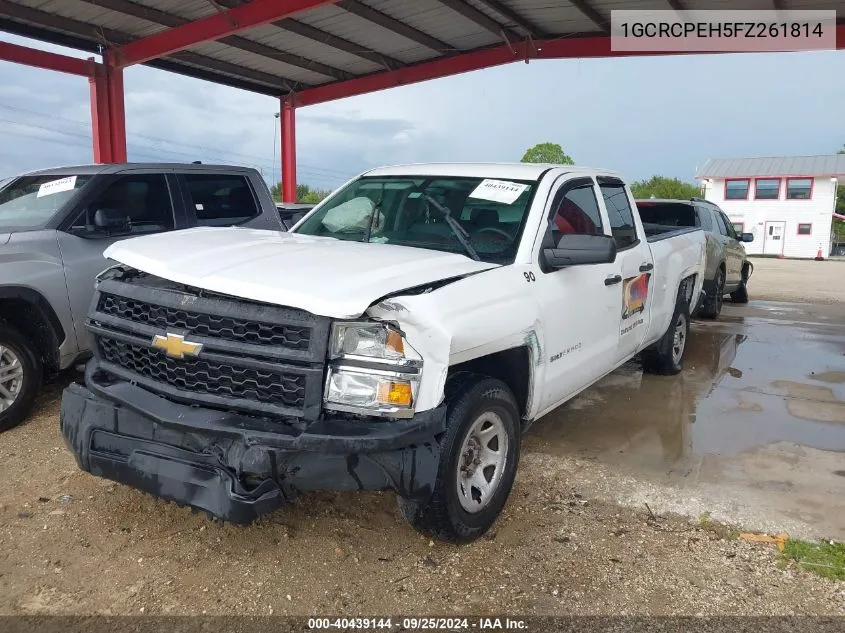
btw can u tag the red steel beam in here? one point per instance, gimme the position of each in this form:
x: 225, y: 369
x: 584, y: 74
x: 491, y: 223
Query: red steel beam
x: 108, y: 117
x: 211, y: 28
x: 288, y: 123
x: 117, y: 114
x: 100, y: 125
x: 562, y: 48
x: 42, y: 59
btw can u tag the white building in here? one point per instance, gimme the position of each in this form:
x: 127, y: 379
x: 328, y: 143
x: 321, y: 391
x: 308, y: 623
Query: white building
x: 787, y: 203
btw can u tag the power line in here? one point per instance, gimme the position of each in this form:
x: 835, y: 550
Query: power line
x: 151, y: 153
x: 214, y: 153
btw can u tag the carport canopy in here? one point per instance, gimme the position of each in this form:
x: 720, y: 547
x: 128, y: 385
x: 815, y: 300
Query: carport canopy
x: 306, y: 52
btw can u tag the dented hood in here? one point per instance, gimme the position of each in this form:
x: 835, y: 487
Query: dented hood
x: 322, y: 275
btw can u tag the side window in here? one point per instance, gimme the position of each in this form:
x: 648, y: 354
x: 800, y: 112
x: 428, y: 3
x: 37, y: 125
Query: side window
x: 705, y: 218
x: 221, y: 200
x: 619, y: 214
x: 721, y: 227
x: 143, y: 198
x: 729, y: 227
x: 576, y: 212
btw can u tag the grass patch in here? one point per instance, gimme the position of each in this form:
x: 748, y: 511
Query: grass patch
x: 824, y: 558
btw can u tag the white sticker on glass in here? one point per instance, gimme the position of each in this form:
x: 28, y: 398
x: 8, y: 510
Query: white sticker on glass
x: 199, y: 207
x: 56, y: 186
x: 502, y: 191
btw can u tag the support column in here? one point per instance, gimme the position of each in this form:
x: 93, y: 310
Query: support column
x: 288, y: 124
x: 100, y: 126
x: 108, y: 117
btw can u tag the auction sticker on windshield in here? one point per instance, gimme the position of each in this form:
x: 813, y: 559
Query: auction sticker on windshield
x: 498, y: 191
x: 56, y: 186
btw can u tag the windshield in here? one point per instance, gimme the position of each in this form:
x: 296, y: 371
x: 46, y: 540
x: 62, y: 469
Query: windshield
x: 30, y: 201
x: 485, y: 214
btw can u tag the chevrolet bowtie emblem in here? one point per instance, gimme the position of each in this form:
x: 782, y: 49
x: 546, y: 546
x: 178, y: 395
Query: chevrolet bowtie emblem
x: 176, y: 346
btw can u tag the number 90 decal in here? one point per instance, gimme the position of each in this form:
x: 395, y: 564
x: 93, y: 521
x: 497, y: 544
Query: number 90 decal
x: 529, y: 276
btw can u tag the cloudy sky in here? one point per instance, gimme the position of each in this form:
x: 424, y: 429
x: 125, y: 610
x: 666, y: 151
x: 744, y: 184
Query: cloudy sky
x: 640, y: 116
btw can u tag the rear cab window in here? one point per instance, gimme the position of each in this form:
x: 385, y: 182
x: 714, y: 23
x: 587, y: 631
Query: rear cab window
x: 678, y: 214
x: 220, y: 199
x: 619, y: 212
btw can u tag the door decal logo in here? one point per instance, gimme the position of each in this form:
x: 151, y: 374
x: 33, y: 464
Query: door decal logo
x: 634, y: 295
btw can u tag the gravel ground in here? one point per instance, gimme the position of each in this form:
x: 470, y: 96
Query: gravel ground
x: 798, y: 280
x: 74, y: 544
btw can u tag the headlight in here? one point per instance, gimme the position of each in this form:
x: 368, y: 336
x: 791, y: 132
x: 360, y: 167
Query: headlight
x: 374, y: 370
x: 371, y: 340
x: 363, y: 389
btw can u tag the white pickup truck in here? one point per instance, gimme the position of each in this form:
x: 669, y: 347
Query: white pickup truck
x: 402, y: 336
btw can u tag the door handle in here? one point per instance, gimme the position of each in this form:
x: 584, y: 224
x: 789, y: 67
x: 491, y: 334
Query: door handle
x: 644, y: 268
x: 613, y: 279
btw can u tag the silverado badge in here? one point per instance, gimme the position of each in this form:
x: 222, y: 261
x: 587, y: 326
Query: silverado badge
x: 176, y: 346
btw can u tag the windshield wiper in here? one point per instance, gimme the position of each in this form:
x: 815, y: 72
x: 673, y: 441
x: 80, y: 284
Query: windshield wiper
x: 457, y: 229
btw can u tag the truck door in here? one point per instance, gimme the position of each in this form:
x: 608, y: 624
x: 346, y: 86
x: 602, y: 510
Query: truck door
x: 144, y: 200
x: 729, y: 248
x: 734, y: 252
x: 579, y: 305
x: 635, y: 261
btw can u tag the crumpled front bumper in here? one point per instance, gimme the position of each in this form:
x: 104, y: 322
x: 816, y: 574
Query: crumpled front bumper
x: 236, y: 467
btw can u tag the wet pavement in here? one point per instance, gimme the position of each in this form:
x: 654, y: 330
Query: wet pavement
x: 755, y: 423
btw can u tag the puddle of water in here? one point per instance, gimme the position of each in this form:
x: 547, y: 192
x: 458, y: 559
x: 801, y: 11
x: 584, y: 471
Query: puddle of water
x: 747, y: 382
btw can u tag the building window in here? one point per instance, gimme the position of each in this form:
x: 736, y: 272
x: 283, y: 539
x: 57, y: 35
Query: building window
x: 799, y: 188
x: 766, y: 188
x: 739, y: 227
x: 736, y: 189
x: 805, y: 229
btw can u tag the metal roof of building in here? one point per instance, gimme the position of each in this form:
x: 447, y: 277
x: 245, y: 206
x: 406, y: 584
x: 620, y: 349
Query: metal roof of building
x: 833, y: 165
x: 336, y: 40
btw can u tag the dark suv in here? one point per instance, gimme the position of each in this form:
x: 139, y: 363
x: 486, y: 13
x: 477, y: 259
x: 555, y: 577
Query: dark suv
x: 728, y: 269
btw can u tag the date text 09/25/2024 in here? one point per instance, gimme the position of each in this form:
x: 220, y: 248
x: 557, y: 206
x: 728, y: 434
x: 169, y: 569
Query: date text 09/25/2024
x: 422, y: 624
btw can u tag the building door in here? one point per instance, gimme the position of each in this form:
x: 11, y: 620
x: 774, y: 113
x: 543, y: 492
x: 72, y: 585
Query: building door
x: 773, y: 238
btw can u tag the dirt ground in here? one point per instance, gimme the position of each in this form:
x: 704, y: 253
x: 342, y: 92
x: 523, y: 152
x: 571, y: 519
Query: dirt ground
x: 605, y: 517
x: 798, y: 280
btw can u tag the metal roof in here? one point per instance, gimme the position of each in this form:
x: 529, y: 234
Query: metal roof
x: 833, y: 165
x: 336, y: 41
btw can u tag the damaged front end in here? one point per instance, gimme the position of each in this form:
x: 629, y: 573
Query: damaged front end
x: 233, y: 407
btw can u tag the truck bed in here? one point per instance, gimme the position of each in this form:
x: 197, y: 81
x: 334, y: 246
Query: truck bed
x: 656, y: 232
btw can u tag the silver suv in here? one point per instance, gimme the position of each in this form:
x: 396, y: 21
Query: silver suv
x: 54, y: 226
x: 728, y: 269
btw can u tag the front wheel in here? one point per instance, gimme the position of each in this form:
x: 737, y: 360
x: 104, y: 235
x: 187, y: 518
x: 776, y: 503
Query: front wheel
x: 712, y: 307
x: 20, y: 377
x: 666, y: 357
x: 478, y: 461
x: 740, y: 295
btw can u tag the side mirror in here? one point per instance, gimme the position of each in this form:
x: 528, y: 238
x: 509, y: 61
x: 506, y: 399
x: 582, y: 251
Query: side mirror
x: 573, y: 250
x: 111, y: 220
x: 747, y: 237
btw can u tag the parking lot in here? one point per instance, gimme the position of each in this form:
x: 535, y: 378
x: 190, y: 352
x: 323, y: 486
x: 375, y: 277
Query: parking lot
x: 617, y: 506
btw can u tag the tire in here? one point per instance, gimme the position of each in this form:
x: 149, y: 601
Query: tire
x: 740, y: 295
x: 665, y: 357
x: 712, y: 306
x: 475, y: 403
x: 20, y: 377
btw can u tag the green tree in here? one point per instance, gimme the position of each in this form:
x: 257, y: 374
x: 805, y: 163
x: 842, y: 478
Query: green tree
x: 662, y: 187
x: 547, y: 153
x: 304, y: 193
